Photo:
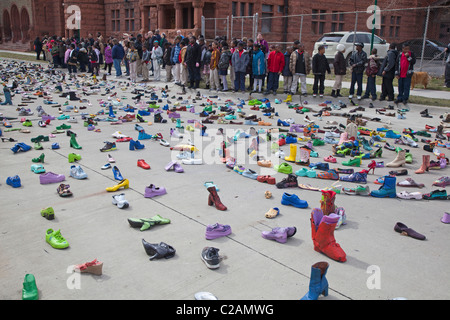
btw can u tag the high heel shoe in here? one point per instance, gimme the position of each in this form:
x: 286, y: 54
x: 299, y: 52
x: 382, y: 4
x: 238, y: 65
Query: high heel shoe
x: 372, y: 165
x: 124, y: 183
x: 94, y: 267
x: 158, y: 251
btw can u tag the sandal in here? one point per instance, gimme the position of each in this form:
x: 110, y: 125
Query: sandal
x: 63, y: 190
x: 94, y: 267
x: 272, y: 213
x: 410, y: 183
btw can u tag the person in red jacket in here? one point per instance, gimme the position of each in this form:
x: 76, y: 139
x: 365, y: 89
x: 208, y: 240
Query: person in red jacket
x: 275, y: 65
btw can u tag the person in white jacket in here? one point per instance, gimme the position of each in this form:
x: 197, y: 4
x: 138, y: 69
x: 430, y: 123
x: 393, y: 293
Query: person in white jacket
x: 157, y: 54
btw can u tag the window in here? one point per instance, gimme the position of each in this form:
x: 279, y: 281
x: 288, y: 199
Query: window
x: 318, y: 21
x: 394, y: 28
x: 115, y: 20
x: 129, y: 19
x: 337, y: 21
x: 360, y: 37
x: 250, y: 9
x: 234, y: 8
x: 281, y: 9
x: 266, y: 24
x: 242, y: 9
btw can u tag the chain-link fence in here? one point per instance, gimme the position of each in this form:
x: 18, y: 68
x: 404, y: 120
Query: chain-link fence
x: 426, y: 30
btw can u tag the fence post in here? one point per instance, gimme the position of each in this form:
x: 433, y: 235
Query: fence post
x: 354, y: 32
x: 231, y: 29
x: 203, y: 26
x: 424, y: 36
x: 228, y: 27
x: 301, y: 29
x: 256, y: 26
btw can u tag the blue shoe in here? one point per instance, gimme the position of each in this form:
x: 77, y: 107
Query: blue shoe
x: 291, y: 139
x: 13, y: 181
x: 282, y: 123
x: 138, y: 145
x: 55, y: 146
x: 144, y: 136
x: 357, y: 177
x: 250, y: 174
x: 117, y: 174
x: 16, y: 148
x: 318, y: 283
x: 293, y: 200
x: 24, y: 147
x: 77, y: 172
x: 143, y: 113
x: 320, y: 166
x: 391, y: 134
x: 132, y: 145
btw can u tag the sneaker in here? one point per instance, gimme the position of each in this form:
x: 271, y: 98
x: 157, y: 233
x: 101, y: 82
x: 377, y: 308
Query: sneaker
x: 217, y: 230
x: 14, y: 181
x: 77, y: 172
x: 120, y: 201
x: 109, y: 146
x: 442, y: 182
x: 55, y: 239
x: 210, y: 257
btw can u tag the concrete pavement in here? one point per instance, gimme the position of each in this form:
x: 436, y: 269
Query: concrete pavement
x: 381, y: 264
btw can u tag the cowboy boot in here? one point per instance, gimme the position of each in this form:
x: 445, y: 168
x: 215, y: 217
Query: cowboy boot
x: 322, y: 232
x: 425, y: 164
x: 327, y: 203
x: 214, y: 199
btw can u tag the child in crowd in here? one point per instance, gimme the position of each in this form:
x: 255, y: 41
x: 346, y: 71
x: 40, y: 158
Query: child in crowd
x: 224, y: 64
x: 320, y: 67
x: 258, y: 67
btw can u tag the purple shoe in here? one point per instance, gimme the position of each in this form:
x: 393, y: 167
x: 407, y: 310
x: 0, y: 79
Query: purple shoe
x: 51, y: 177
x: 152, y: 191
x: 278, y: 234
x: 217, y: 230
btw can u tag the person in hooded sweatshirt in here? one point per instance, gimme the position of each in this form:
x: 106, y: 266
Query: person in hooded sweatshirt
x: 275, y: 65
x: 258, y: 67
x: 239, y: 62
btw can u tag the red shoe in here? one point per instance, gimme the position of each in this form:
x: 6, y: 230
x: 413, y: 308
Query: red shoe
x: 141, y: 163
x: 124, y: 139
x: 268, y: 179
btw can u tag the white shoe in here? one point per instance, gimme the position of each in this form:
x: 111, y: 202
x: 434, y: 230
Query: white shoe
x: 192, y: 161
x: 350, y: 96
x: 119, y: 135
x: 73, y: 120
x: 120, y: 201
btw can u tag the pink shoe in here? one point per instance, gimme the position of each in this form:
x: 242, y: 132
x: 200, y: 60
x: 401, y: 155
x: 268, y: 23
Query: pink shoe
x: 330, y: 159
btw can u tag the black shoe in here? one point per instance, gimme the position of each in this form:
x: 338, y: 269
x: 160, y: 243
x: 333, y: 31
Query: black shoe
x: 289, y: 182
x: 158, y: 251
x: 210, y: 257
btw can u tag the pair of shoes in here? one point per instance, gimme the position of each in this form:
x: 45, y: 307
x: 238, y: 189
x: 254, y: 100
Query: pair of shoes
x: 279, y: 234
x: 120, y: 201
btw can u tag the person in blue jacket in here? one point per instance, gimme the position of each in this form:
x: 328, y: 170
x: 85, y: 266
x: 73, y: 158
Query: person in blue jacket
x: 175, y: 60
x: 258, y: 67
x: 118, y: 53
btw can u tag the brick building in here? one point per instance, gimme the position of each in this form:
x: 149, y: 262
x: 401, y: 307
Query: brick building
x: 278, y: 20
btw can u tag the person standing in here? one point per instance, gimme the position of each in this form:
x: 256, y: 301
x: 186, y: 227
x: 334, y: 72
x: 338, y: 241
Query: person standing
x: 182, y: 60
x: 145, y: 60
x: 249, y: 70
x: 275, y: 65
x: 108, y: 58
x: 176, y: 69
x: 224, y: 64
x: 206, y: 62
x: 447, y: 67
x: 300, y: 67
x: 193, y: 59
x: 387, y: 71
x: 38, y: 48
x: 167, y: 61
x: 214, y: 81
x: 371, y: 71
x: 239, y: 62
x: 404, y: 70
x: 118, y: 53
x: 258, y: 67
x: 132, y: 57
x: 286, y: 73
x: 320, y: 67
x: 357, y: 62
x: 138, y: 44
x: 340, y: 70
x: 157, y: 55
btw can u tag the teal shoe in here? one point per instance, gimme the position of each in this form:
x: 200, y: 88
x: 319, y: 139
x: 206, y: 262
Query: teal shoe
x: 29, y: 290
x: 302, y: 172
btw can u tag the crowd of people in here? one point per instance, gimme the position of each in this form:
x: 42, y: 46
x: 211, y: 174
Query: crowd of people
x: 189, y: 60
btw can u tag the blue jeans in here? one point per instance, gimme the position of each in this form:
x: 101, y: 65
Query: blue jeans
x: 239, y: 81
x: 404, y: 85
x: 273, y: 81
x: 371, y: 89
x: 117, y: 66
x: 356, y: 79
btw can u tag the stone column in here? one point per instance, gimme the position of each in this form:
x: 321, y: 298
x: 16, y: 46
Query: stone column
x: 160, y: 16
x: 178, y: 16
x: 198, y: 12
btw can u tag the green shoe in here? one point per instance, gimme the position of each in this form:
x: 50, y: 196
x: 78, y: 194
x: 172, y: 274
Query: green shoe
x: 39, y: 159
x: 40, y: 138
x: 38, y: 146
x: 27, y: 123
x: 318, y: 142
x: 63, y: 127
x: 362, y: 190
x: 153, y: 106
x: 48, y: 213
x: 208, y: 109
x: 283, y: 168
x: 160, y: 220
x: 143, y: 224
x: 29, y: 290
x: 73, y: 157
x: 55, y: 239
x: 352, y: 162
x: 345, y: 151
x: 408, y: 157
x: 73, y: 142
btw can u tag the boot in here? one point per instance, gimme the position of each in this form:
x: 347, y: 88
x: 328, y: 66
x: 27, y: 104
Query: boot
x: 318, y: 284
x: 425, y: 164
x: 72, y: 96
x: 111, y: 112
x: 293, y: 153
x: 327, y: 203
x: 73, y: 142
x: 214, y: 199
x: 440, y: 133
x: 7, y: 94
x: 387, y: 189
x: 304, y: 157
x: 333, y: 93
x: 322, y: 233
x: 338, y: 93
x: 399, y: 161
x: 288, y: 98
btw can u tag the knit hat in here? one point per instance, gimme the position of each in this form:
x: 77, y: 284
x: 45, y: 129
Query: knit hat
x: 340, y: 47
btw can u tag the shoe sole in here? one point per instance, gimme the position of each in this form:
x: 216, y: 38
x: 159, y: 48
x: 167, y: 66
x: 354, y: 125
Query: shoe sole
x: 210, y: 266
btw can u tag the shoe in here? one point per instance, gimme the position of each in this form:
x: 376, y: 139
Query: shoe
x: 210, y: 256
x: 249, y: 173
x: 120, y: 201
x: 158, y: 251
x: 272, y: 213
x: 29, y: 288
x: 94, y: 267
x: 442, y: 182
x: 39, y: 159
x: 109, y: 146
x: 283, y: 168
x: 122, y: 184
x: 279, y: 234
x: 356, y: 177
x: 147, y: 223
x: 289, y: 182
x: 214, y: 199
x: 117, y: 174
x: 293, y: 200
x: 318, y: 283
x: 78, y: 173
x: 14, y: 181
x: 266, y: 178
x: 387, y: 189
x: 51, y: 177
x: 330, y: 175
x: 55, y: 239
x: 64, y: 190
x: 144, y: 165
x: 409, y: 195
x: 48, y: 213
x: 153, y: 191
x: 73, y: 157
x: 436, y: 195
x: 217, y: 230
x: 352, y: 162
x: 404, y: 230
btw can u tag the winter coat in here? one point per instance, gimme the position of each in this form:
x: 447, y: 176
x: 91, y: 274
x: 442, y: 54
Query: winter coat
x: 275, y: 62
x: 240, y: 62
x: 286, y: 72
x: 157, y: 54
x: 373, y: 65
x: 215, y: 58
x: 225, y: 59
x: 108, y: 55
x: 193, y: 55
x: 388, y: 65
x: 118, y: 52
x: 175, y: 53
x: 306, y: 59
x: 411, y: 60
x: 339, y: 64
x: 258, y: 63
x: 167, y: 56
x: 320, y: 64
x: 359, y: 59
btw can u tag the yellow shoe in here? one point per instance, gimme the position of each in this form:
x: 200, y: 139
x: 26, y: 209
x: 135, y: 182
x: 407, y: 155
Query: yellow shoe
x: 189, y: 128
x: 124, y: 183
x: 289, y: 98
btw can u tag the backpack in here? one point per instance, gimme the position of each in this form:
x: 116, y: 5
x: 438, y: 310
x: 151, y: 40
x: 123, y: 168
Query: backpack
x: 93, y: 56
x: 372, y: 67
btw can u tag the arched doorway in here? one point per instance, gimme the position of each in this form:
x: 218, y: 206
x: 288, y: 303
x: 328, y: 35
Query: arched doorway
x: 25, y: 24
x: 15, y: 19
x: 7, y: 32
